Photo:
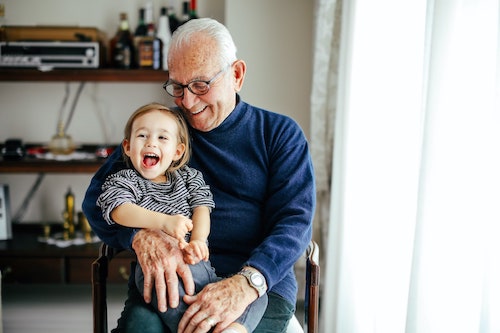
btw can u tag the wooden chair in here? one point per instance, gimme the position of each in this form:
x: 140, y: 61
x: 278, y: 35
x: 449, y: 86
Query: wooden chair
x: 106, y: 253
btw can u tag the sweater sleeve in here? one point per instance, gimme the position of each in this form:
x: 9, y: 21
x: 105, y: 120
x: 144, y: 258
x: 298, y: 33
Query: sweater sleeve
x: 114, y: 235
x: 290, y: 204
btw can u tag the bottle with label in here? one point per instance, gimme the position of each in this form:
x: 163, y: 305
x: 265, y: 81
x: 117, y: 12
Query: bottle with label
x: 141, y: 31
x: 122, y: 45
x: 150, y: 45
x: 163, y: 33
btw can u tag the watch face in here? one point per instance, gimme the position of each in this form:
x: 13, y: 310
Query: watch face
x: 257, y: 280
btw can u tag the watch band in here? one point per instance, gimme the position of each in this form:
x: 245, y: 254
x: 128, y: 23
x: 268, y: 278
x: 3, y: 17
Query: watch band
x: 255, y: 279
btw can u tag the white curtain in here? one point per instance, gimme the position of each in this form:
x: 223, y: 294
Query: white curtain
x: 414, y: 236
x: 323, y: 103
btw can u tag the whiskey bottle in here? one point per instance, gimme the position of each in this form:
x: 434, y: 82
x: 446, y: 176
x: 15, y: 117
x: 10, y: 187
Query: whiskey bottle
x: 150, y: 45
x: 141, y: 31
x: 122, y: 46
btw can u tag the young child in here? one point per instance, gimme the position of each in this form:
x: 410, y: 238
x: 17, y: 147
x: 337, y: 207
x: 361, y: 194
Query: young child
x: 160, y: 191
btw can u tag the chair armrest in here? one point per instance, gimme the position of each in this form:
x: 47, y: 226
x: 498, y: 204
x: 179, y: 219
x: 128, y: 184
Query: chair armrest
x: 312, y: 287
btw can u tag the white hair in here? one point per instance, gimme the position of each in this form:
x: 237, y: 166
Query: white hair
x: 213, y: 29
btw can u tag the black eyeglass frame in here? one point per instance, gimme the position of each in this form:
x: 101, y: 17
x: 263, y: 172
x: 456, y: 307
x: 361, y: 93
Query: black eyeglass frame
x: 190, y: 84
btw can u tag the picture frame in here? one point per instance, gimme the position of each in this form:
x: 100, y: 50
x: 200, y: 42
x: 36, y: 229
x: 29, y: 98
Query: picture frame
x: 5, y: 217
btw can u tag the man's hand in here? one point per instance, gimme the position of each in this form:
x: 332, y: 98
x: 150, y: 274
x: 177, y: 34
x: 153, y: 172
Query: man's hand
x: 217, y: 305
x: 161, y: 261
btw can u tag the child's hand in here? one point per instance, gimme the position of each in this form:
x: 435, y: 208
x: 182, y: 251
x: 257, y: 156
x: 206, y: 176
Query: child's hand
x: 196, y: 251
x: 178, y: 226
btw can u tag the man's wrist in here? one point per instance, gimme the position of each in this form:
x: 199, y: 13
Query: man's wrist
x: 255, y: 279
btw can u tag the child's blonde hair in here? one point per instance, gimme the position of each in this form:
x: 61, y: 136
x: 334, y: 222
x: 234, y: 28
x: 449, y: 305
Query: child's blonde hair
x: 181, y: 125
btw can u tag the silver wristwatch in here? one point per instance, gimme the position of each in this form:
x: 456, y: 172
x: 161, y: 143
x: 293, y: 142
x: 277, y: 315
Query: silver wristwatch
x: 255, y: 279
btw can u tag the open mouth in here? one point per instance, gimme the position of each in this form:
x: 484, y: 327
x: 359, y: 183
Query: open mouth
x: 150, y: 159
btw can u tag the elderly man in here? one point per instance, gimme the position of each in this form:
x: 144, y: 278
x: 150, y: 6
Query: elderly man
x: 258, y: 166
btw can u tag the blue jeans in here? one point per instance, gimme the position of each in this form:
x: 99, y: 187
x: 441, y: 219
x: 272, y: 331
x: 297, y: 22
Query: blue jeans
x: 203, y: 274
x: 137, y: 316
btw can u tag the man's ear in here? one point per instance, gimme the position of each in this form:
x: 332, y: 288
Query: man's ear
x: 239, y: 70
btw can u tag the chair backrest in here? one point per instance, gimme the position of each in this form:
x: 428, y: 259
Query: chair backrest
x: 106, y: 253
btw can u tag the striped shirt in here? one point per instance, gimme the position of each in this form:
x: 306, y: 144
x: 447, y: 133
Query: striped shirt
x: 184, y: 190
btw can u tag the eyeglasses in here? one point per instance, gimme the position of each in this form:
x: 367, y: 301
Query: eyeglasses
x: 197, y: 87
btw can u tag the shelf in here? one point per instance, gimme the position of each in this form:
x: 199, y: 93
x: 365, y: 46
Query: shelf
x: 32, y: 165
x: 84, y: 75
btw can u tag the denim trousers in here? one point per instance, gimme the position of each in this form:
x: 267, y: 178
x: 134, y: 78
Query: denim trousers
x: 138, y: 316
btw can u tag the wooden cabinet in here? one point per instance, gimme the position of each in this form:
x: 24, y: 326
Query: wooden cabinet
x: 32, y: 269
x: 118, y: 271
x: 25, y: 260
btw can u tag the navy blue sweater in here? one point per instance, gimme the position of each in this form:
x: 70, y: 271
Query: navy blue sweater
x: 258, y: 166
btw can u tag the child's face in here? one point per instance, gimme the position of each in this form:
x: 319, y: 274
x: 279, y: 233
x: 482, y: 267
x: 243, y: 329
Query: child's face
x: 154, y: 144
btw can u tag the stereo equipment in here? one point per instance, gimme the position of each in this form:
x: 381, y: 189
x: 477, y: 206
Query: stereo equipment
x: 48, y: 54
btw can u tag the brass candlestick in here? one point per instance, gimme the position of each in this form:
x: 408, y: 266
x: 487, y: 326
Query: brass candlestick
x: 69, y: 215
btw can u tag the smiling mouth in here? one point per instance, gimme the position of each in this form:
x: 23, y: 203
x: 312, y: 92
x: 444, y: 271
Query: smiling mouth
x: 199, y: 111
x: 150, y: 159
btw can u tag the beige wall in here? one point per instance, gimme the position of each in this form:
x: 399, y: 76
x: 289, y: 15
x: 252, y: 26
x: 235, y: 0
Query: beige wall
x: 273, y: 36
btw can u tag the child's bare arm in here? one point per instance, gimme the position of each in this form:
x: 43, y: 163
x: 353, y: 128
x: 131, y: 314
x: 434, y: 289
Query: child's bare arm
x: 197, y: 249
x: 135, y: 216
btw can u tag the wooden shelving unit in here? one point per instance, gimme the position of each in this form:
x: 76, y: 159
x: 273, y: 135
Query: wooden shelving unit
x: 85, y: 75
x: 32, y: 165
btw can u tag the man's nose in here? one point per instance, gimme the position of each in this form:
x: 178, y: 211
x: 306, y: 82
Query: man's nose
x: 189, y: 99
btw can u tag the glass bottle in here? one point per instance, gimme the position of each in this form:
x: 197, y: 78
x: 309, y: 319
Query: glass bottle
x: 185, y: 12
x: 140, y: 32
x: 122, y: 45
x: 150, y: 45
x: 192, y: 10
x: 141, y: 29
x: 173, y: 20
x: 149, y: 19
x: 163, y: 33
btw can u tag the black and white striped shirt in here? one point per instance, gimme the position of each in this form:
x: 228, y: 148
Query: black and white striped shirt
x: 183, y: 190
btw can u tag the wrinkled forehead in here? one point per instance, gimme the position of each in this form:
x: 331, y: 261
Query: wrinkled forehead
x: 196, y: 59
